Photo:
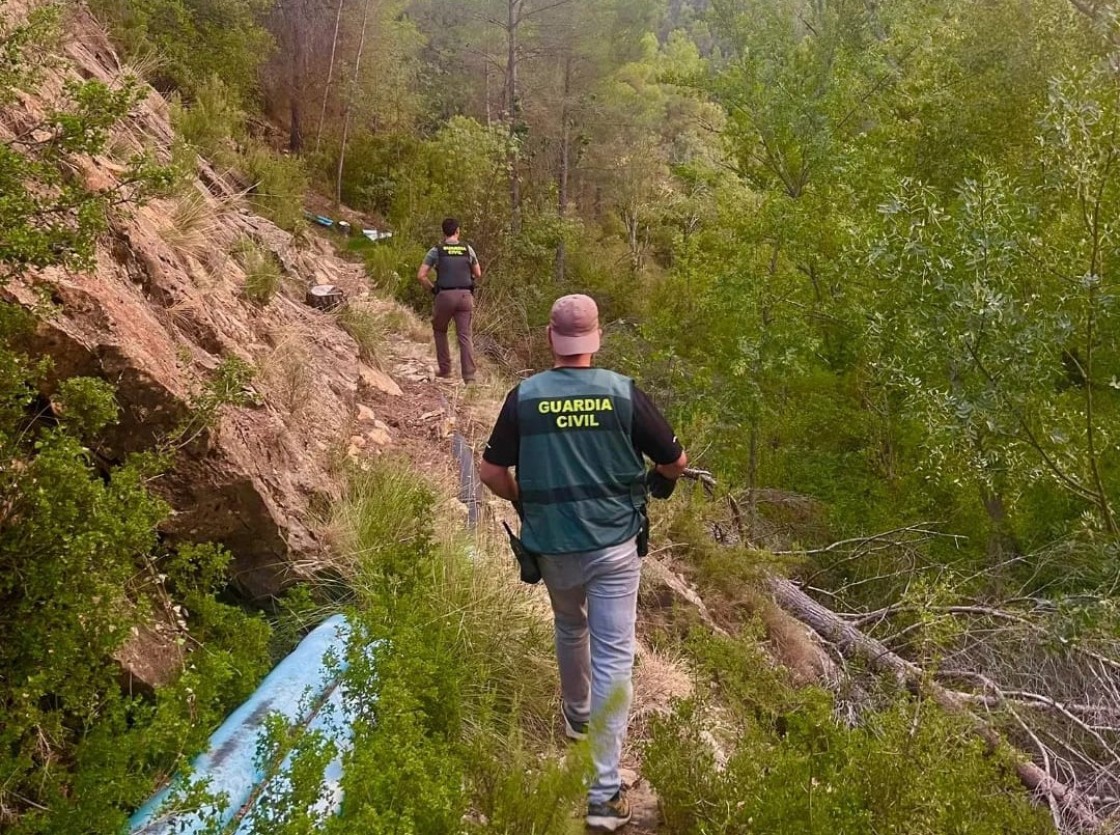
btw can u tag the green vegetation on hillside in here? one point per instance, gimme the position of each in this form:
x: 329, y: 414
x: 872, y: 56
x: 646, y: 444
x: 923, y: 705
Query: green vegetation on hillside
x: 864, y: 253
x: 81, y: 566
x: 792, y: 767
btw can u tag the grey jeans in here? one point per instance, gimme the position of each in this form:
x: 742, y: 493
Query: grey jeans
x: 594, y: 602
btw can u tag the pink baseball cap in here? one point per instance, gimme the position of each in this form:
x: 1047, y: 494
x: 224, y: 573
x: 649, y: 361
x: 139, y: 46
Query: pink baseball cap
x: 574, y: 325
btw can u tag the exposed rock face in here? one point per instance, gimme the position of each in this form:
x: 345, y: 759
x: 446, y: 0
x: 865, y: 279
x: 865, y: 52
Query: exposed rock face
x: 164, y: 307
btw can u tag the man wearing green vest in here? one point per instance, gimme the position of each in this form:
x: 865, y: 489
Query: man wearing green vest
x: 576, y: 435
x: 457, y: 270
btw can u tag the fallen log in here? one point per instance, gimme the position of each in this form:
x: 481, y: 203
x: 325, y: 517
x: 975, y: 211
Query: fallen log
x: 853, y: 643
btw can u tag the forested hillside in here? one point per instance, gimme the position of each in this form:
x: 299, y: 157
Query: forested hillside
x: 864, y: 254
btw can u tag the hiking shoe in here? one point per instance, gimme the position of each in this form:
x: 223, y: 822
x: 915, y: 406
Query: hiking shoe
x: 609, y: 816
x: 572, y: 729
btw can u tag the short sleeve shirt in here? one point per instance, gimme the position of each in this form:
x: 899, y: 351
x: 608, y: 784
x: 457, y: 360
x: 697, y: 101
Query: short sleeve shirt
x: 650, y: 433
x: 432, y: 258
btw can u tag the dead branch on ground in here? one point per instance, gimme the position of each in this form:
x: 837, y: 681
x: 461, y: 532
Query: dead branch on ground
x: 1076, y: 813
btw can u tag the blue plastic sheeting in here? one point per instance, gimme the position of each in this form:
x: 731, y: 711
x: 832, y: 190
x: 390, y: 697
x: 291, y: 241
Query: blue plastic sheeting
x: 229, y: 767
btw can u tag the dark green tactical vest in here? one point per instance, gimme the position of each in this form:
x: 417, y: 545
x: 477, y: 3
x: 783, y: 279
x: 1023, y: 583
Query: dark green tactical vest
x: 582, y: 482
x: 453, y: 267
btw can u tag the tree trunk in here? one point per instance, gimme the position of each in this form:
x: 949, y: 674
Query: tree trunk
x: 633, y: 227
x: 295, y: 132
x: 565, y: 167
x: 298, y: 68
x: 854, y: 644
x: 1108, y: 517
x: 486, y: 71
x: 330, y: 77
x: 1001, y: 539
x: 752, y: 476
x: 349, y: 93
x: 513, y: 114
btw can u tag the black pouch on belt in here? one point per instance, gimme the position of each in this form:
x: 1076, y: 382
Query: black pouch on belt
x: 526, y: 559
x: 643, y: 535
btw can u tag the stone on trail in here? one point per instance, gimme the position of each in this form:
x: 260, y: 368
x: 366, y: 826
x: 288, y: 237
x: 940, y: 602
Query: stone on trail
x: 378, y: 380
x: 379, y: 435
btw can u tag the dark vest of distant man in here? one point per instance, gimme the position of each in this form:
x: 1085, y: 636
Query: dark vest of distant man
x: 453, y: 267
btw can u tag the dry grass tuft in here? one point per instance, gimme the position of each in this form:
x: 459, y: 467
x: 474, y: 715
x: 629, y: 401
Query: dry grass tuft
x: 145, y: 64
x: 263, y: 274
x: 660, y: 678
x: 374, y: 324
x: 122, y: 145
x: 194, y: 220
x: 288, y: 374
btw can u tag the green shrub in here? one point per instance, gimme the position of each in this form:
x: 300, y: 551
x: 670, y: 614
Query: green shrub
x: 236, y: 641
x: 211, y: 120
x: 461, y: 171
x: 279, y: 184
x: 375, y: 164
x: 791, y: 768
x: 228, y: 386
x: 452, y: 680
x: 392, y: 266
x: 523, y: 792
x: 263, y: 275
x: 77, y: 545
x: 195, y: 40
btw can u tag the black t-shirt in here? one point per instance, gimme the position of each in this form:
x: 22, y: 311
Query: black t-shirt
x: 651, y: 434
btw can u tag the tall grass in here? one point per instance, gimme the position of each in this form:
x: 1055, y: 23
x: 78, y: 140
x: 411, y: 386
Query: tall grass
x: 278, y: 185
x: 214, y: 124
x: 372, y: 326
x: 456, y: 727
x: 262, y: 271
x: 190, y: 229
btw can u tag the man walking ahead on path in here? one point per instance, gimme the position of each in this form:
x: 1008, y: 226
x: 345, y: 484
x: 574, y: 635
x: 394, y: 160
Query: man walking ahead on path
x: 457, y: 270
x: 576, y: 435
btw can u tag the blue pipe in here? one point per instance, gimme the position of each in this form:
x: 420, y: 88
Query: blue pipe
x: 229, y: 767
x: 334, y: 723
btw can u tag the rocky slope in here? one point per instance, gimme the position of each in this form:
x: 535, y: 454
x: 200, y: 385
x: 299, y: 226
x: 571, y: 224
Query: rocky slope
x: 165, y: 306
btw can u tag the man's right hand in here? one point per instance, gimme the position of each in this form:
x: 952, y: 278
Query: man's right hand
x: 660, y: 487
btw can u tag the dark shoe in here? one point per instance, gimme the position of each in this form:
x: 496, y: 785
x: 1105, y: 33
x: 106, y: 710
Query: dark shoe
x: 573, y: 730
x: 609, y: 816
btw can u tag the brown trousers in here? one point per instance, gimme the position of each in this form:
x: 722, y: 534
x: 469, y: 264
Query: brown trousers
x: 457, y: 305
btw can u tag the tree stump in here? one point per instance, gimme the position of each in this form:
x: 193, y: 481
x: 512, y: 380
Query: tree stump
x: 326, y: 297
